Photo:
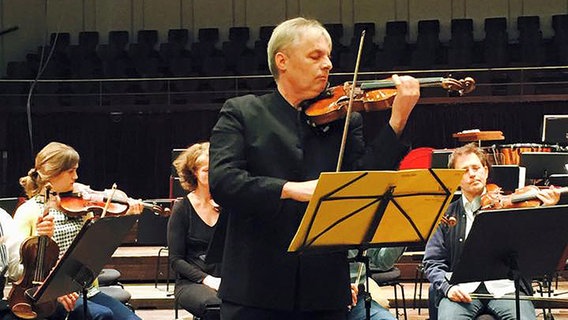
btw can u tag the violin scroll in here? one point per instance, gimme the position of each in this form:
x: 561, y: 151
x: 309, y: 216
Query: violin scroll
x: 461, y: 86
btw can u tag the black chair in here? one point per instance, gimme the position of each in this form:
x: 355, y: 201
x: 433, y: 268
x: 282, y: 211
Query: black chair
x: 206, y: 46
x: 496, y: 42
x: 560, y: 39
x: 427, y: 51
x: 260, y: 45
x: 109, y: 277
x: 212, y: 312
x: 236, y: 47
x: 460, y: 51
x: 179, y: 37
x: 117, y: 64
x: 335, y: 31
x: 369, y: 50
x: 531, y: 44
x: 391, y: 278
x: 395, y: 47
x: 86, y: 64
x: 109, y: 285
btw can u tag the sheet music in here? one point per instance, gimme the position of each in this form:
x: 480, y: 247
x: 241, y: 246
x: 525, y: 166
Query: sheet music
x: 344, y: 204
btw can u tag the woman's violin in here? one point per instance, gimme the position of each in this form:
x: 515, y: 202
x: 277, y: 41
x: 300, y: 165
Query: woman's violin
x: 38, y: 255
x: 378, y: 95
x: 113, y: 202
x: 522, y: 198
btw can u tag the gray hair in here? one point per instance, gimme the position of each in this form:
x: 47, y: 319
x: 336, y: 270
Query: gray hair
x: 287, y: 33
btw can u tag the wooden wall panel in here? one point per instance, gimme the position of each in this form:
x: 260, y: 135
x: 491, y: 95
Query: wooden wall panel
x: 378, y: 12
x: 35, y: 18
x: 264, y: 13
x: 114, y: 15
x: 137, y: 14
x: 240, y: 13
x: 162, y: 15
x: 90, y: 15
x: 187, y: 18
x: 65, y: 16
x: 326, y: 11
x: 458, y: 9
x: 545, y: 9
x: 478, y: 10
x: 213, y: 14
x: 29, y: 16
x: 428, y: 10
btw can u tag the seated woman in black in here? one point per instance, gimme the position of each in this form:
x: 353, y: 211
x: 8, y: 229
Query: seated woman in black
x: 190, y: 229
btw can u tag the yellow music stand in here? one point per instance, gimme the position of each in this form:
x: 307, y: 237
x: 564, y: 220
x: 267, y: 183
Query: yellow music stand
x: 361, y: 209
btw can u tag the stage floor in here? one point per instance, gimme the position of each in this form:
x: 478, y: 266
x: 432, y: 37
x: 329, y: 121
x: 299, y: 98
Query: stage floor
x: 142, y: 292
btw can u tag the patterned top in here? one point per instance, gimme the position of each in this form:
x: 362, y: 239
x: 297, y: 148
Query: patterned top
x: 66, y: 227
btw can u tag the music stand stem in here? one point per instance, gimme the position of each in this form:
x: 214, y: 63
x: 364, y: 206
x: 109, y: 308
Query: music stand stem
x: 364, y: 292
x: 515, y: 275
x: 86, y: 315
x: 362, y: 252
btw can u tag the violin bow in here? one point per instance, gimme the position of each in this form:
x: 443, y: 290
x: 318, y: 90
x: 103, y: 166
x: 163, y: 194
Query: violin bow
x: 346, y: 128
x: 350, y: 104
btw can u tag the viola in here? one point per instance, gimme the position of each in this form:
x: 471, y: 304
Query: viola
x: 38, y: 255
x: 522, y: 198
x: 377, y: 95
x: 116, y: 202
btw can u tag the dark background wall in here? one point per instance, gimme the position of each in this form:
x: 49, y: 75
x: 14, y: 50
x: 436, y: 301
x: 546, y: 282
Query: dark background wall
x: 132, y: 146
x: 134, y: 149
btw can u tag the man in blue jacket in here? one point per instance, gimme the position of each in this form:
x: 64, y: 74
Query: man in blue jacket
x: 443, y: 250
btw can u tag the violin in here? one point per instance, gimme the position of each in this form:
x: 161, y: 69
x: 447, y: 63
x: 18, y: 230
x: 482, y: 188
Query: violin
x: 38, y: 255
x: 449, y: 221
x: 116, y: 203
x: 377, y: 95
x: 524, y: 197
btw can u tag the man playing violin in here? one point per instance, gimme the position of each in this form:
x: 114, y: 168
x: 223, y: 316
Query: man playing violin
x: 56, y: 165
x: 265, y: 160
x: 443, y: 250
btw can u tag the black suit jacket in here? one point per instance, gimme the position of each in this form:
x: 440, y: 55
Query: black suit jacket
x: 257, y: 145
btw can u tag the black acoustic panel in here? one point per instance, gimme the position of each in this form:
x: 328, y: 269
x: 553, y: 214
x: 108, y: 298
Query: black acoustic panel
x: 9, y: 204
x: 176, y: 190
x: 152, y: 228
x: 508, y: 177
x: 175, y: 154
x: 555, y: 129
x: 540, y: 165
x: 440, y: 158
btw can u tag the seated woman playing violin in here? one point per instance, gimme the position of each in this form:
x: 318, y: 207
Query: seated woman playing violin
x: 56, y: 167
x: 444, y: 248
